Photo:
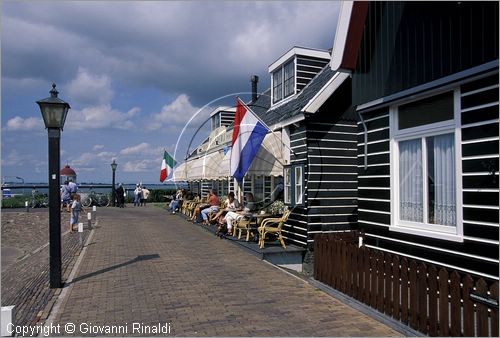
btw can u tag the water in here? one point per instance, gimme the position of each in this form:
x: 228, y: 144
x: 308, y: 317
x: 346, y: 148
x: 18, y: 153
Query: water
x: 42, y: 188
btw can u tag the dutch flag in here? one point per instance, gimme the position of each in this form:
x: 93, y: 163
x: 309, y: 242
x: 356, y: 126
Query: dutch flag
x: 248, y: 134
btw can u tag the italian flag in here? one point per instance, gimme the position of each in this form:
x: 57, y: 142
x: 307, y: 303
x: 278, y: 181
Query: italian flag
x: 167, y: 164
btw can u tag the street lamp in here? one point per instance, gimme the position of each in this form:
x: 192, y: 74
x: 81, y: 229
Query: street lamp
x: 54, y: 112
x: 113, y: 167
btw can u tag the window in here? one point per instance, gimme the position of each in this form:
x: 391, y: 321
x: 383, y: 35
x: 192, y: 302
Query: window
x: 294, y: 177
x: 288, y: 185
x: 278, y: 85
x: 289, y: 79
x: 284, y: 81
x: 299, y: 185
x: 425, y: 176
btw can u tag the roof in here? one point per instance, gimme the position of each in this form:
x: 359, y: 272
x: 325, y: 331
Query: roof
x: 348, y: 35
x: 261, y: 105
x: 67, y: 171
x: 296, y: 50
x: 295, y: 106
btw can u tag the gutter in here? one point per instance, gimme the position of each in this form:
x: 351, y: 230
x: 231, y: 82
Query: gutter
x: 365, y: 134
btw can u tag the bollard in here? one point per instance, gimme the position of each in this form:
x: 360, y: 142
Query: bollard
x: 26, y: 205
x: 80, y: 233
x: 94, y: 213
x: 89, y: 218
x: 8, y: 317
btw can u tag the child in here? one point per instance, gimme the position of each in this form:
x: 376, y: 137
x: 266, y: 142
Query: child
x: 76, y: 207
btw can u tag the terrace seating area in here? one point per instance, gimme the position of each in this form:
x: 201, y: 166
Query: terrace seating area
x: 258, y: 232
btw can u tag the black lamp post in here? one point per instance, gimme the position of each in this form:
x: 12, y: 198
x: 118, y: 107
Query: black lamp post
x: 54, y: 112
x: 113, y: 167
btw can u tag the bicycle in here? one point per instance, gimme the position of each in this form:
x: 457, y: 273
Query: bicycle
x: 93, y: 198
x: 38, y: 200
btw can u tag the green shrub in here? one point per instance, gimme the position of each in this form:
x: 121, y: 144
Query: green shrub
x: 14, y: 202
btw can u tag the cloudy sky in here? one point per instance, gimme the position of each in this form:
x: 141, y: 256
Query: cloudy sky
x: 135, y: 74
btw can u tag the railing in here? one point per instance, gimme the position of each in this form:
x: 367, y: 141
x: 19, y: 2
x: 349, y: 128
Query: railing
x: 432, y: 301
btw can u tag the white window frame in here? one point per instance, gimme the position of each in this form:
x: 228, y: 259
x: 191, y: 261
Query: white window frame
x: 282, y: 69
x: 299, y: 200
x: 434, y: 129
x: 287, y: 193
x: 293, y: 199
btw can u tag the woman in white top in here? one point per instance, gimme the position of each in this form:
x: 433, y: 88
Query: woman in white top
x: 230, y: 204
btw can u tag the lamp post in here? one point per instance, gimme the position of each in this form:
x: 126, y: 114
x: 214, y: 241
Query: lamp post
x: 54, y: 112
x: 113, y: 167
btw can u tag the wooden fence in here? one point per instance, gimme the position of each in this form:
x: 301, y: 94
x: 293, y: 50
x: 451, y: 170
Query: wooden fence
x: 434, y: 302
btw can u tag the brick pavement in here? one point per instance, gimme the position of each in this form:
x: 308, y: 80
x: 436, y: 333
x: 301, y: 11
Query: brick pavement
x: 25, y: 279
x: 147, y: 266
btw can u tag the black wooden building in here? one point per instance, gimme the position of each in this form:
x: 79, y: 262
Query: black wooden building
x: 425, y: 88
x: 320, y: 179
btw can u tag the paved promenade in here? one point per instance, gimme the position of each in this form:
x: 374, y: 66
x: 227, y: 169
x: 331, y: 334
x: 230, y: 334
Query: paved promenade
x: 25, y: 262
x: 143, y: 265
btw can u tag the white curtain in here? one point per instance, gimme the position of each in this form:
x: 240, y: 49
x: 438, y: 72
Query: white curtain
x: 444, y: 180
x: 410, y: 181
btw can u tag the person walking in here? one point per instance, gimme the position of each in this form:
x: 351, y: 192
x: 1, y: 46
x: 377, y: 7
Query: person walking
x: 137, y: 195
x: 65, y: 196
x: 76, y: 207
x: 120, y: 196
x: 145, y: 196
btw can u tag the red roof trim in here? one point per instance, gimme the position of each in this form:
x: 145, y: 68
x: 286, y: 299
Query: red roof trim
x: 354, y: 35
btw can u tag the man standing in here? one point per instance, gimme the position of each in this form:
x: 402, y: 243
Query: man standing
x: 145, y: 195
x: 73, y: 188
x: 137, y: 195
x: 120, y: 198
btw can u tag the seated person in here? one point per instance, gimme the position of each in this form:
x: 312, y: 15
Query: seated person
x: 231, y: 216
x: 175, y: 203
x: 213, y: 201
x: 200, y: 207
x: 230, y: 204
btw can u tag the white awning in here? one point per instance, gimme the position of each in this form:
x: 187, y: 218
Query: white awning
x: 268, y: 161
x: 180, y: 172
x: 205, y: 167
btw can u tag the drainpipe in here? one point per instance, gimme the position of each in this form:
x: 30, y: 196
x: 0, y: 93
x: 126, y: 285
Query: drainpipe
x: 366, y: 140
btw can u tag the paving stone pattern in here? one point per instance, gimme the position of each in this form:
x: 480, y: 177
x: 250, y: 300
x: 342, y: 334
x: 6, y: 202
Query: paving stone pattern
x: 147, y: 266
x: 25, y: 281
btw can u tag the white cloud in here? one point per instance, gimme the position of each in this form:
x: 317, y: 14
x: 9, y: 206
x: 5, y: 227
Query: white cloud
x: 178, y: 112
x: 91, y: 160
x: 90, y: 89
x: 139, y: 166
x: 23, y: 124
x: 97, y: 147
x: 142, y: 149
x: 100, y: 117
x: 138, y: 149
x: 14, y: 158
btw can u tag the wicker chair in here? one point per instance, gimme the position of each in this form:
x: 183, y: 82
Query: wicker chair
x: 244, y: 225
x: 266, y: 228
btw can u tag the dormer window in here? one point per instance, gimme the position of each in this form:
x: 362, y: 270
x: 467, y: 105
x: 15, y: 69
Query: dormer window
x: 291, y: 72
x: 284, y: 81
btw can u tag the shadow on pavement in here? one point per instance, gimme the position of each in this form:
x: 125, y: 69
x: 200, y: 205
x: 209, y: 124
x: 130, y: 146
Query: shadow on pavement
x: 114, y: 267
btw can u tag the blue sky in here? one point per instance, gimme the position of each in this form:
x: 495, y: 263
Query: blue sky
x: 135, y: 73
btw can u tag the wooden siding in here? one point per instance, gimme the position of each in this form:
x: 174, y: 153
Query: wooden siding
x: 307, y: 68
x: 478, y: 254
x: 480, y: 153
x: 325, y: 143
x: 332, y: 165
x: 405, y: 44
x: 295, y: 229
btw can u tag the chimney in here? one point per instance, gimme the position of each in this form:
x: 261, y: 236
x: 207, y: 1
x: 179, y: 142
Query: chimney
x: 254, y: 79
